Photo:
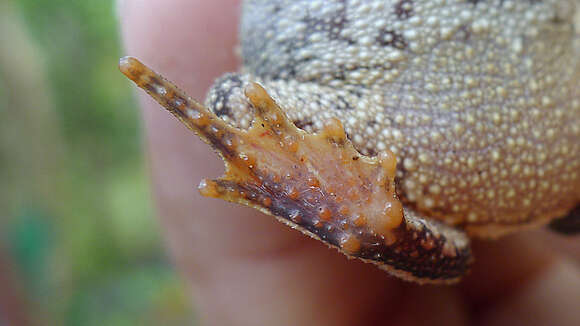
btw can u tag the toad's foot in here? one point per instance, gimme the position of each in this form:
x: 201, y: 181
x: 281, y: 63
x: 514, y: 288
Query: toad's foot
x: 316, y: 183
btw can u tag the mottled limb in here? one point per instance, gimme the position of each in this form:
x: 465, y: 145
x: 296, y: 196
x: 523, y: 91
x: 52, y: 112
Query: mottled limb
x: 569, y: 224
x: 316, y: 183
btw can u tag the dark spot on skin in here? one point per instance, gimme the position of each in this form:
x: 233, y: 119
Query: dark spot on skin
x: 388, y: 37
x: 331, y: 25
x: 180, y: 99
x: 276, y: 9
x: 342, y: 104
x: 390, y: 120
x: 149, y: 89
x: 356, y: 92
x: 371, y: 152
x: 290, y: 68
x: 557, y: 20
x: 221, y: 95
x: 218, y: 144
x: 338, y: 74
x: 302, y: 124
x: 404, y: 9
x: 464, y: 32
x: 155, y: 81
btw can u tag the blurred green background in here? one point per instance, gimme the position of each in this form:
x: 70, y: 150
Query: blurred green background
x: 79, y: 243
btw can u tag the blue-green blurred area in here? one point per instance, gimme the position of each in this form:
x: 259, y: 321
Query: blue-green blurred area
x: 79, y: 243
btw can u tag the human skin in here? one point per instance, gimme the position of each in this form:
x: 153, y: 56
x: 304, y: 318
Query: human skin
x: 244, y: 268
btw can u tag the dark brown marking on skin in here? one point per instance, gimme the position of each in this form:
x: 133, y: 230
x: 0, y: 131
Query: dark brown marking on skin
x: 371, y: 152
x: 464, y: 32
x: 317, y: 183
x: 404, y: 9
x: 388, y: 37
x: 302, y: 124
x: 342, y: 104
x: 221, y: 96
x: 331, y: 25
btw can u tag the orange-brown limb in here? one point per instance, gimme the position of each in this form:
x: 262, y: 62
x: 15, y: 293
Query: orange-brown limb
x: 316, y: 183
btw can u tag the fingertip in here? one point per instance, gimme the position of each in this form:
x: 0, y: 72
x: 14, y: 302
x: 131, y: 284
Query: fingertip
x: 189, y: 42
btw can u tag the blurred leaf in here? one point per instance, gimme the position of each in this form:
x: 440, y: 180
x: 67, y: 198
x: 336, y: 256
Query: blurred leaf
x: 81, y: 229
x: 30, y: 240
x: 137, y: 297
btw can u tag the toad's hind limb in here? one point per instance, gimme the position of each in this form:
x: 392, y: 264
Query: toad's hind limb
x: 316, y: 183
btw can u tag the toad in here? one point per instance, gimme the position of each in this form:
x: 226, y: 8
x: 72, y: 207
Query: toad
x: 397, y: 130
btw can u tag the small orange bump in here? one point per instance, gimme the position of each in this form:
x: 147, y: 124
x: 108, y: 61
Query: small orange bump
x: 131, y: 67
x: 448, y: 250
x: 313, y: 182
x: 390, y: 238
x: 292, y: 146
x: 324, y: 213
x: 169, y: 95
x: 350, y: 244
x: 259, y: 97
x: 318, y: 224
x: 248, y: 160
x: 344, y: 210
x: 388, y: 161
x: 208, y: 188
x: 311, y: 199
x: 267, y: 201
x: 392, y: 216
x: 265, y: 133
x: 296, y: 217
x: 360, y: 220
x: 293, y: 193
x: 427, y: 244
x: 345, y: 159
x: 200, y: 119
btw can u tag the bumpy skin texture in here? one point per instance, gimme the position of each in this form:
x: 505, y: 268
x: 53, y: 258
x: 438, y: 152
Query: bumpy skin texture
x: 479, y: 100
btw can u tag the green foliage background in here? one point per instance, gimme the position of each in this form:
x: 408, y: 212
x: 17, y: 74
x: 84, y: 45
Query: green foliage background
x: 77, y: 227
